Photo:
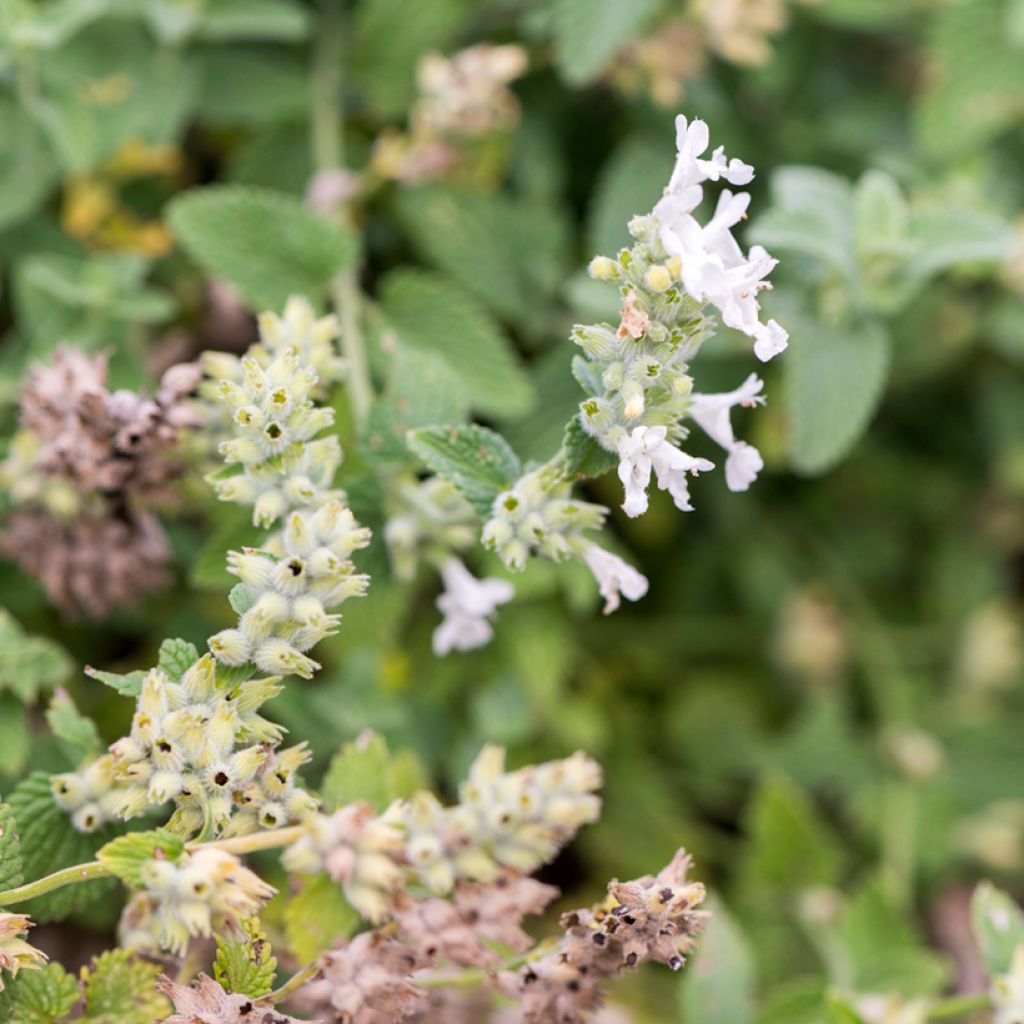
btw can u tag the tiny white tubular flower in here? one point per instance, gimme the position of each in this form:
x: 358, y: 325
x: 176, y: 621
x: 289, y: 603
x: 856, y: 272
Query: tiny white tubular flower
x: 614, y: 576
x: 692, y: 140
x: 645, y: 450
x: 712, y: 413
x: 467, y: 605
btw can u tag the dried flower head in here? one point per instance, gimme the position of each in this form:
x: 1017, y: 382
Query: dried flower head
x: 206, y: 1002
x: 15, y: 953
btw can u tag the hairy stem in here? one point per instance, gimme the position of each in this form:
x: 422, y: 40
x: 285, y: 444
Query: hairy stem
x: 329, y: 155
x: 255, y: 841
x: 66, y: 876
x: 295, y: 982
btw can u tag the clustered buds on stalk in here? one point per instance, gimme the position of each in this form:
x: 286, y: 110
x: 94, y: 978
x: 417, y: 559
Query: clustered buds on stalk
x: 15, y: 953
x: 84, y: 474
x: 638, y: 376
x: 200, y: 893
x: 515, y: 820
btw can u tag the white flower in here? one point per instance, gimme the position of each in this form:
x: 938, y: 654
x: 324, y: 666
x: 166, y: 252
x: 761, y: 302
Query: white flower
x: 712, y: 413
x: 614, y: 577
x: 647, y: 449
x: 467, y: 604
x: 691, y: 141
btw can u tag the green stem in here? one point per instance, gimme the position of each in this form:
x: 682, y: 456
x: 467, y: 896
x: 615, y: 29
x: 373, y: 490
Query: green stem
x: 959, y: 1006
x: 329, y: 155
x: 66, y: 876
x: 255, y: 841
x: 295, y: 982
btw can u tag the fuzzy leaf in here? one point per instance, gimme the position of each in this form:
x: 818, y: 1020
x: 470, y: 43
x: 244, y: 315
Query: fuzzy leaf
x: 585, y: 457
x: 11, y: 875
x: 50, y: 842
x: 177, y: 656
x: 279, y: 21
x: 125, y: 856
x: 720, y: 980
x: 998, y: 927
x: 317, y: 916
x: 588, y: 33
x: 246, y: 966
x: 475, y: 460
x: 120, y: 989
x: 38, y: 997
x: 435, y: 315
x: 29, y: 664
x: 129, y: 685
x: 834, y: 381
x: 240, y: 598
x: 77, y: 734
x: 225, y: 227
x: 15, y: 735
x: 366, y: 770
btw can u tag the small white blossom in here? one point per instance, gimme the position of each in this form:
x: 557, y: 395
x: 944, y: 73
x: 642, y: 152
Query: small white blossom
x: 614, y: 576
x: 712, y: 413
x: 467, y: 605
x: 647, y: 449
x: 692, y: 140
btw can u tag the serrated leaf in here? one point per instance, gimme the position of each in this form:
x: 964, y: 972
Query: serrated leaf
x: 39, y: 997
x: 998, y: 925
x: 128, y: 685
x: 366, y: 770
x: 125, y: 855
x: 77, y: 734
x: 588, y: 33
x: 719, y: 982
x: 225, y: 227
x: 834, y: 382
x: 29, y: 664
x: 177, y: 656
x: 584, y: 456
x: 11, y: 875
x: 631, y: 182
x: 246, y: 966
x: 121, y: 989
x: 317, y: 916
x: 50, y: 842
x: 433, y: 314
x: 478, y: 462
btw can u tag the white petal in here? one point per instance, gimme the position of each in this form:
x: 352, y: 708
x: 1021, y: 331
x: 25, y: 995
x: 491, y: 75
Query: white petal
x: 742, y: 466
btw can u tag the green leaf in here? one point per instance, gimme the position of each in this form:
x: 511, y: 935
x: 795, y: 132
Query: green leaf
x: 128, y: 685
x: 246, y: 966
x: 78, y: 735
x: 39, y: 997
x: 630, y: 182
x: 834, y: 381
x: 475, y: 460
x: 366, y: 770
x: 998, y: 927
x: 719, y: 982
x: 15, y: 735
x: 125, y: 856
x: 177, y: 656
x: 50, y: 842
x: 121, y: 989
x: 279, y: 21
x: 28, y: 170
x: 267, y: 244
x: 29, y: 664
x: 251, y: 87
x: 11, y: 875
x: 942, y: 237
x: 585, y: 457
x: 317, y: 916
x: 589, y: 33
x: 430, y: 313
x: 240, y: 598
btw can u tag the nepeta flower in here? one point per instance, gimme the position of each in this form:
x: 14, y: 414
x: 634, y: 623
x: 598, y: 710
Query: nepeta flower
x: 645, y: 450
x: 692, y: 140
x: 15, y: 953
x: 614, y: 577
x: 712, y: 413
x: 467, y: 605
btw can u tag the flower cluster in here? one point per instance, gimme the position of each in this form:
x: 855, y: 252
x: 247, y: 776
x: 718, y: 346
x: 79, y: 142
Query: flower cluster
x: 206, y: 891
x: 461, y: 99
x: 15, y: 953
x: 637, y: 376
x: 515, y: 820
x: 84, y: 474
x: 652, y: 918
x: 208, y: 1003
x: 201, y: 744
